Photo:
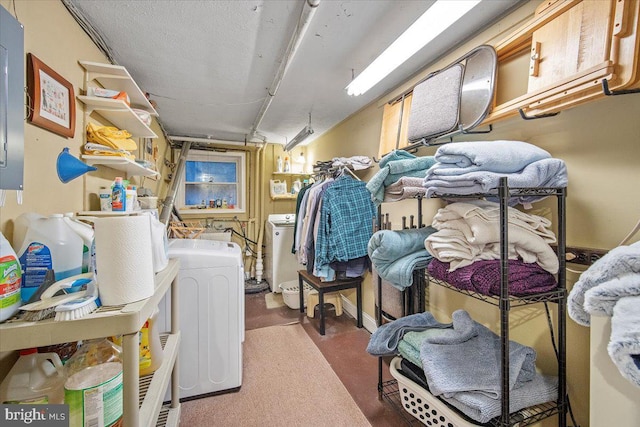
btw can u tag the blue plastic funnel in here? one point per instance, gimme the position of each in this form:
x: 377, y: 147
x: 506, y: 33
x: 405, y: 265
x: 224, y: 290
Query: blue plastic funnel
x: 69, y: 167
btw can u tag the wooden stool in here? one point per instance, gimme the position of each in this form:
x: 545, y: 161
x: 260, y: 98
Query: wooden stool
x: 313, y: 299
x: 325, y: 288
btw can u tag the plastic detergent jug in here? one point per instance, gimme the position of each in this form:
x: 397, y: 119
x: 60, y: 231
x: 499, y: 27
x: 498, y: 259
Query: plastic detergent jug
x: 93, y: 388
x: 10, y: 280
x: 85, y: 231
x: 150, y: 346
x: 20, y: 227
x: 36, y: 378
x: 49, y: 243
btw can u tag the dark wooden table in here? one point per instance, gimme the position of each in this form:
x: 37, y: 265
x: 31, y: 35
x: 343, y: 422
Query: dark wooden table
x: 322, y: 287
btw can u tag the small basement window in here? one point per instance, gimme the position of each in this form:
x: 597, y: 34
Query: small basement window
x: 213, y: 183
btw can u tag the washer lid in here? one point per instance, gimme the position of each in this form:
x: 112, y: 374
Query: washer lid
x: 199, y: 253
x: 282, y: 219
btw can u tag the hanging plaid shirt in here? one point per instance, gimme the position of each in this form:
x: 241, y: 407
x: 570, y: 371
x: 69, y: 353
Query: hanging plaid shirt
x: 346, y: 222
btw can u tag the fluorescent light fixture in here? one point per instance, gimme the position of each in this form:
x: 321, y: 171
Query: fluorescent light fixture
x: 440, y: 16
x: 301, y: 136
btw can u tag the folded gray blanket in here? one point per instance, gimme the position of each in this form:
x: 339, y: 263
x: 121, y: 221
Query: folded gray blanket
x: 618, y: 262
x: 495, y: 156
x: 395, y: 254
x: 624, y: 345
x: 542, y: 173
x: 482, y: 408
x: 467, y: 358
x: 384, y: 340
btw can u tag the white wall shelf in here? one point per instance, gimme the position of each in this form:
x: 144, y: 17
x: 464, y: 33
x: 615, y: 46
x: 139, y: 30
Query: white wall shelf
x: 119, y: 114
x: 130, y: 167
x: 116, y: 77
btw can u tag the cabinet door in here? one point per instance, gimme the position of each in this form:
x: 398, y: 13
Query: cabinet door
x: 571, y: 44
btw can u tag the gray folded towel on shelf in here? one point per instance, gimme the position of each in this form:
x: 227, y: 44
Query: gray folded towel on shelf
x: 478, y: 406
x: 468, y: 358
x: 384, y: 341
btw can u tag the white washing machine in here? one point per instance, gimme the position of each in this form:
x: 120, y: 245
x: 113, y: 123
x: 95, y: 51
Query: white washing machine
x: 211, y: 313
x: 280, y: 264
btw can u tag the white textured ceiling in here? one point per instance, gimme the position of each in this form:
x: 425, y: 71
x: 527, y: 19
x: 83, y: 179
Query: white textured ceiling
x: 208, y: 64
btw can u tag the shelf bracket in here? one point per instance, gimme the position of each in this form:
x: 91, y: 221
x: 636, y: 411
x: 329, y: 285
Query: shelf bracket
x: 539, y: 116
x: 605, y: 89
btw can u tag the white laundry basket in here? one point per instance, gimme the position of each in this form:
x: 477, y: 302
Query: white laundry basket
x: 291, y: 293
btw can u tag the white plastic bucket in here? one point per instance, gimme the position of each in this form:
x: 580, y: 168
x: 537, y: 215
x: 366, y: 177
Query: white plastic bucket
x: 49, y: 243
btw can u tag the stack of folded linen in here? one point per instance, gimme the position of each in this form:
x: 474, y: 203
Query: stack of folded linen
x: 476, y: 167
x: 393, y: 167
x: 462, y: 365
x: 470, y: 232
x: 109, y: 141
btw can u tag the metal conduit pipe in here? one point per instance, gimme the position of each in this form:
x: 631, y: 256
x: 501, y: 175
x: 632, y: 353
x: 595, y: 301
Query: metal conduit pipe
x: 308, y: 10
x: 167, y: 204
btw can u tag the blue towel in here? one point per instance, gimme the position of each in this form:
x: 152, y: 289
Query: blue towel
x: 396, y: 254
x: 393, y: 170
x: 482, y: 408
x: 495, y: 156
x: 384, y: 341
x: 467, y: 358
x: 616, y: 263
x: 395, y: 155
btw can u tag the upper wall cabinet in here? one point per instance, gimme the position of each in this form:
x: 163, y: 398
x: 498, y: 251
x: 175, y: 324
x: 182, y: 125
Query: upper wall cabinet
x: 116, y: 111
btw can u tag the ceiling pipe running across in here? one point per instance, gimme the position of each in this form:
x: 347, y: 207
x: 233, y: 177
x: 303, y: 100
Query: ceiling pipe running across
x: 308, y: 10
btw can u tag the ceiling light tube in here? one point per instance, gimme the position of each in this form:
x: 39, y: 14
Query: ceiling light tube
x: 440, y: 16
x: 301, y: 136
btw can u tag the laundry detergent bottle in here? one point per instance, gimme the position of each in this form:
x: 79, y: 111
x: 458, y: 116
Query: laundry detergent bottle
x: 49, y: 244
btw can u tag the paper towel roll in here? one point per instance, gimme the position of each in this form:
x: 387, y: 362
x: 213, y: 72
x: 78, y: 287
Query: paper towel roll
x: 124, y: 261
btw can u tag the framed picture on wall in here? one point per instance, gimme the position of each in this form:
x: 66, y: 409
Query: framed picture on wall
x: 52, y: 103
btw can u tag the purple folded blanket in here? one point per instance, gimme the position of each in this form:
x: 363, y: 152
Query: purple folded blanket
x: 483, y: 277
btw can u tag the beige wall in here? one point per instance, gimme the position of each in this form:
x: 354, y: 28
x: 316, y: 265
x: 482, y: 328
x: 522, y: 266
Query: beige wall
x: 600, y: 143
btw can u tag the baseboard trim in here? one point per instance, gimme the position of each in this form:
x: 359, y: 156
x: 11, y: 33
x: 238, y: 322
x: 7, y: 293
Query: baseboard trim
x: 368, y: 322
